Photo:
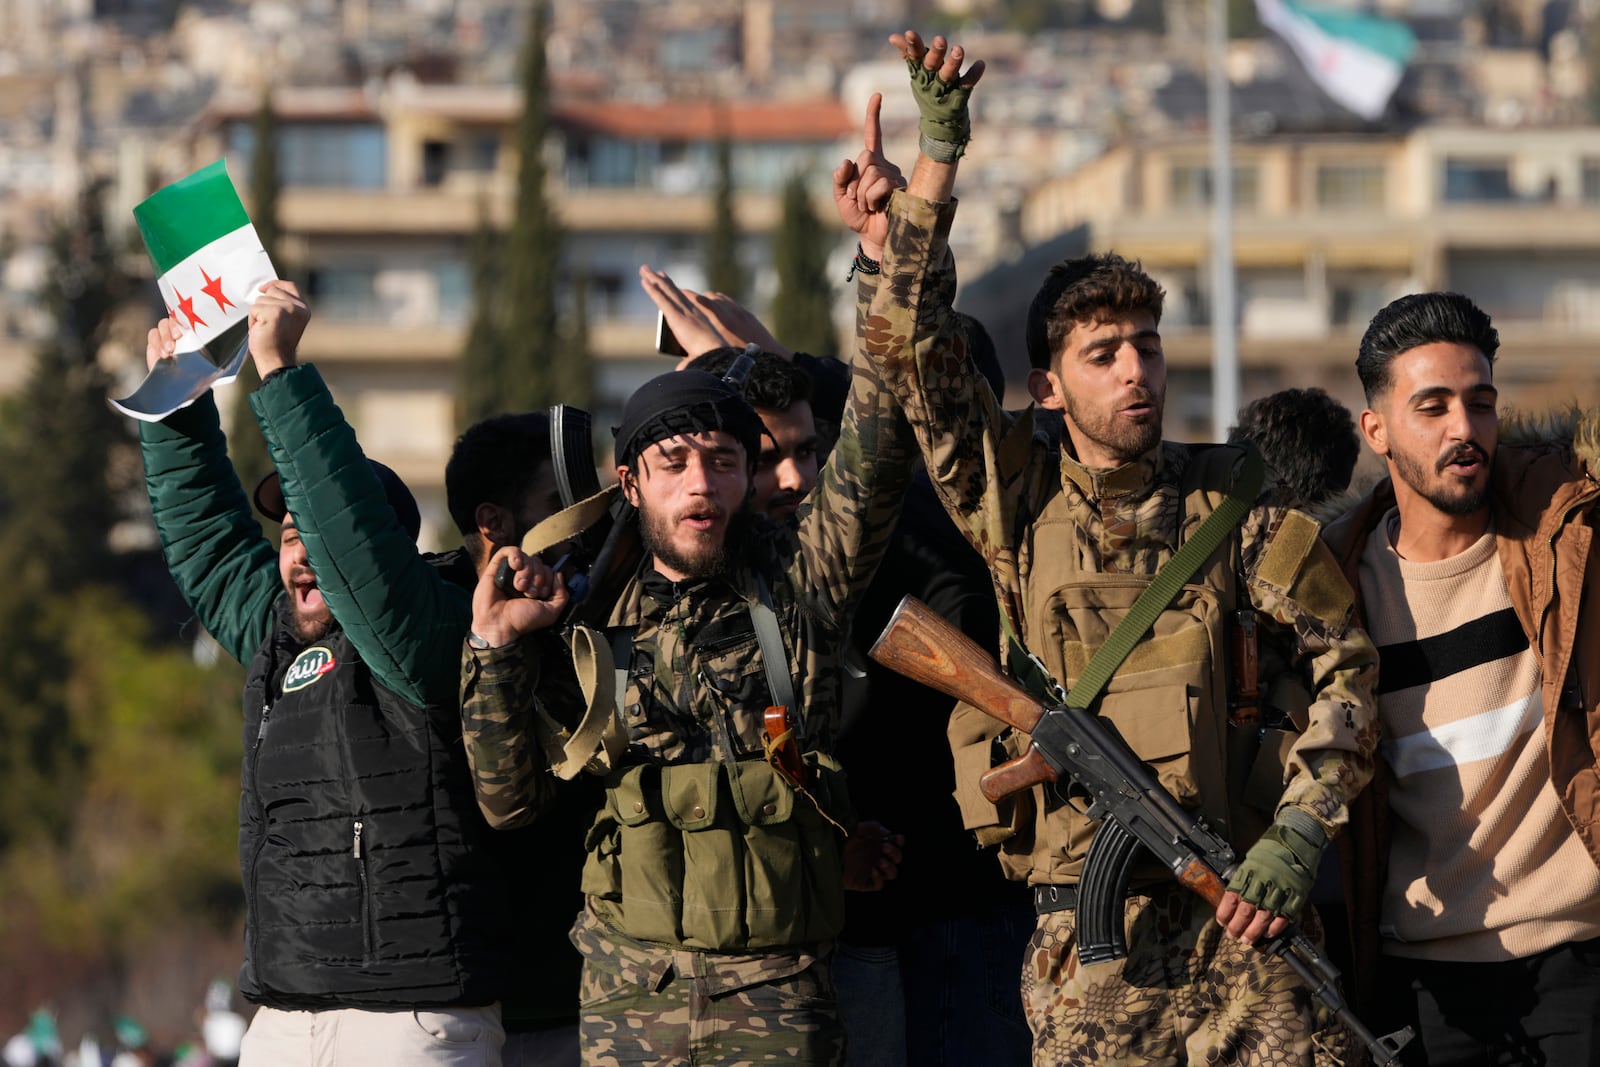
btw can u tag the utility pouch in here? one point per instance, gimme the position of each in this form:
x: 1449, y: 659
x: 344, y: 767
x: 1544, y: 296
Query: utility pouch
x: 721, y: 857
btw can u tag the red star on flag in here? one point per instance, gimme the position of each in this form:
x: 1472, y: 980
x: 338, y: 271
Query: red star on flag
x: 186, y: 305
x: 213, y: 289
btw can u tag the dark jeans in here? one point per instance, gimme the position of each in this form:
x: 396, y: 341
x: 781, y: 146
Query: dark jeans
x: 1542, y: 1010
x: 945, y: 996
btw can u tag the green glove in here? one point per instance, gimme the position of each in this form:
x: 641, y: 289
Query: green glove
x: 1277, y: 872
x: 945, y: 126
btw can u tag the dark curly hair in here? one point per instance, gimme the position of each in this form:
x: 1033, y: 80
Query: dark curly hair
x: 1306, y: 436
x: 1087, y: 289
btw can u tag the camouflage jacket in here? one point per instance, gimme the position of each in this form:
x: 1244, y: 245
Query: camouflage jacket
x: 994, y: 476
x: 696, y: 681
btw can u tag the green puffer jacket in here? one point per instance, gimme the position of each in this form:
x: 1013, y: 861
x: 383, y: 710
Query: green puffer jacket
x: 367, y: 872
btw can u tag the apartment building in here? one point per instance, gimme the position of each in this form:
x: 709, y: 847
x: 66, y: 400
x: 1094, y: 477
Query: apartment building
x: 1329, y: 229
x: 383, y: 186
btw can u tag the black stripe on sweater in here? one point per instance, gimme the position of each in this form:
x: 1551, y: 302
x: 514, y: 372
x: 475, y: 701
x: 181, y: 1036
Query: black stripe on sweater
x: 1483, y: 640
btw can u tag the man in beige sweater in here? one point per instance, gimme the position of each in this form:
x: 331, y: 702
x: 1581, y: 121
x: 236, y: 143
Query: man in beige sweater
x: 1477, y: 853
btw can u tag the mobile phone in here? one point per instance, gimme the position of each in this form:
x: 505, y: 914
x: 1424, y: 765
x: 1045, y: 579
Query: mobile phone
x: 666, y: 342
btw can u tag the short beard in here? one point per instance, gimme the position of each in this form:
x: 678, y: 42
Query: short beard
x: 1415, y: 474
x: 309, y: 628
x: 714, y: 561
x: 1124, y: 439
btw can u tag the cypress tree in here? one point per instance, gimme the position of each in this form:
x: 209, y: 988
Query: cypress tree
x: 247, y: 448
x: 57, y: 508
x: 802, y: 310
x: 482, y: 365
x: 534, y: 360
x: 573, y: 384
x: 722, y: 244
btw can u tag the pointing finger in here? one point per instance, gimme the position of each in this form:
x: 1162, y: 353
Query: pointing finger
x: 874, y: 124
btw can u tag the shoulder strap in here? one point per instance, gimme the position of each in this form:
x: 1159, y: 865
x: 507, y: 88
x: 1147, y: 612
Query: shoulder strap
x: 773, y: 656
x: 1157, y: 595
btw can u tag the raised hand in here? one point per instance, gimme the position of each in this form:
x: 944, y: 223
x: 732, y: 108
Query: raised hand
x: 861, y: 187
x: 278, y: 318
x: 941, y: 91
x: 161, y: 342
x: 500, y: 618
x: 689, y: 323
x: 735, y: 320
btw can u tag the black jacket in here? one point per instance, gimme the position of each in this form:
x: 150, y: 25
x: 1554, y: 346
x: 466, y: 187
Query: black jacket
x: 366, y: 875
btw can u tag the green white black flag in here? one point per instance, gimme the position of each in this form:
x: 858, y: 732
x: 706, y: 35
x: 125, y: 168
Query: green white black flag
x: 210, y: 267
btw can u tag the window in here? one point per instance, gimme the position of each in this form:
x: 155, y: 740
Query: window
x: 1468, y: 180
x: 327, y: 154
x: 1591, y: 181
x: 435, y: 158
x: 345, y: 293
x: 1191, y: 186
x: 1350, y: 185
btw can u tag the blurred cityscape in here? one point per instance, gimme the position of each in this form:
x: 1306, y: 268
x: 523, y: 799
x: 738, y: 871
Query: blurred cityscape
x: 397, y: 135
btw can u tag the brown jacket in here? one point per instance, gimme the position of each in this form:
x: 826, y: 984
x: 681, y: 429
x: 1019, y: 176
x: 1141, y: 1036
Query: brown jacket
x: 1542, y: 495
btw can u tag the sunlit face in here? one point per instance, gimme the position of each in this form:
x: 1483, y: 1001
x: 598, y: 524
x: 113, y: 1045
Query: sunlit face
x: 1109, y: 381
x: 787, y: 466
x: 691, y: 490
x: 1438, y: 426
x: 311, y: 617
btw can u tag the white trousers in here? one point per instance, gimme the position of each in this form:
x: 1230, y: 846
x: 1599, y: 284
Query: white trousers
x: 349, y: 1037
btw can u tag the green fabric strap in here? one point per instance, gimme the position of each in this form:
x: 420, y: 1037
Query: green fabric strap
x: 1167, y: 584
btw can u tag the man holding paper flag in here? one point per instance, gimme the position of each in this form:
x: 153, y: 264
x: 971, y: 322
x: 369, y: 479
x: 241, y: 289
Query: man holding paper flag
x: 211, y: 266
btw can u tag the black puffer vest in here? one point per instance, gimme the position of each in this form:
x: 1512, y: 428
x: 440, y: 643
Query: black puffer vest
x: 366, y: 879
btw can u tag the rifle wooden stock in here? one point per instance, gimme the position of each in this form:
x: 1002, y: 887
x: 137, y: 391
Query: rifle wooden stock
x: 921, y: 645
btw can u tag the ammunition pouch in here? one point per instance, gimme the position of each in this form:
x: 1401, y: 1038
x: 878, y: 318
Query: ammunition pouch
x: 720, y: 857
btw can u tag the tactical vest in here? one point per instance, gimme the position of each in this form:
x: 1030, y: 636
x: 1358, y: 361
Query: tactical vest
x: 1169, y: 699
x: 725, y: 856
x: 722, y: 857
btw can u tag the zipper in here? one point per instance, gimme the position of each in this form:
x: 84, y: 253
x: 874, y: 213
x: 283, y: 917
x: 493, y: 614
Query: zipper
x: 261, y: 823
x: 368, y: 923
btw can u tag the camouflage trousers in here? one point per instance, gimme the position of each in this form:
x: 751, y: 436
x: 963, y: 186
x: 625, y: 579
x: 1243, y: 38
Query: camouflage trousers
x: 1186, y: 994
x: 641, y: 1003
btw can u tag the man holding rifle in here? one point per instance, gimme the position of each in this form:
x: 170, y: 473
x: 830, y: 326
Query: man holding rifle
x: 1249, y: 696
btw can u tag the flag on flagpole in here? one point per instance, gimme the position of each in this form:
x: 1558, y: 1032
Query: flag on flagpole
x: 210, y: 265
x: 1356, y: 58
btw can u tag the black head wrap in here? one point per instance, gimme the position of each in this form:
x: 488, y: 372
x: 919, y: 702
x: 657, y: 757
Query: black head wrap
x: 685, y: 402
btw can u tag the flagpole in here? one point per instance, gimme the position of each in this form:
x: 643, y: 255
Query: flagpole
x: 1224, y: 342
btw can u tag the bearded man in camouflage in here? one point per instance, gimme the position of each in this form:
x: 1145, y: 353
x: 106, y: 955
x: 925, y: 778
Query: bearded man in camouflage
x: 715, y: 881
x: 1072, y: 535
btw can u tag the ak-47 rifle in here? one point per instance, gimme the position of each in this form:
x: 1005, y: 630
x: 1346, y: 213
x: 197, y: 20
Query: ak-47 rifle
x: 1134, y: 808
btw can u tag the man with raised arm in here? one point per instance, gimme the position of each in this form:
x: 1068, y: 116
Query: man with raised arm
x: 1072, y: 536
x: 375, y: 913
x: 717, y: 867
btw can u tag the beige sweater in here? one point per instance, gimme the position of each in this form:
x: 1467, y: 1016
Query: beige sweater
x: 1483, y: 865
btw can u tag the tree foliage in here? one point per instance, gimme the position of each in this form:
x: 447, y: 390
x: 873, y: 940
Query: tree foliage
x: 58, y: 439
x: 802, y: 310
x: 517, y: 355
x: 118, y: 757
x: 482, y: 366
x: 247, y: 446
x: 538, y: 368
x: 723, y: 273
